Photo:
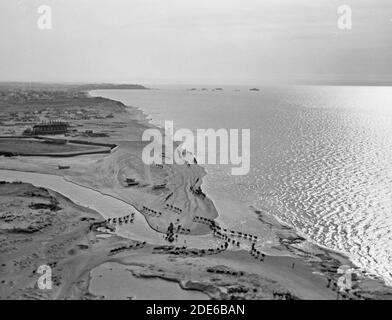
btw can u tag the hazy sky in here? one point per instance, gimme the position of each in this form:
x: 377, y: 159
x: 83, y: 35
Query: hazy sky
x: 189, y: 41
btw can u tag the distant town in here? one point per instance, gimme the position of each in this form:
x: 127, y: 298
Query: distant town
x: 33, y: 110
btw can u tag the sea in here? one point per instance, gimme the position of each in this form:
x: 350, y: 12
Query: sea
x: 321, y: 159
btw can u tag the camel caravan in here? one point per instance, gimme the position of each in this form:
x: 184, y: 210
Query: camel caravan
x: 173, y: 208
x: 150, y: 212
x: 189, y: 252
x: 229, y: 236
x: 224, y: 233
x: 121, y: 220
x: 137, y: 245
x: 154, y: 213
x: 224, y: 270
x: 256, y: 253
x: 182, y: 230
x: 172, y: 232
x: 109, y: 225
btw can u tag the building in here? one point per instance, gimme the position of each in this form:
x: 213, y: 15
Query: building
x: 51, y: 127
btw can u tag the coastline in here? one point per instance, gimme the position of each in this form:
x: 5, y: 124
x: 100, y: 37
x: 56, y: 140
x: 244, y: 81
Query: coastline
x: 282, y: 224
x: 148, y: 118
x: 104, y: 173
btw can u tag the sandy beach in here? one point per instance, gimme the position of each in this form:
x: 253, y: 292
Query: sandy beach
x: 164, y: 232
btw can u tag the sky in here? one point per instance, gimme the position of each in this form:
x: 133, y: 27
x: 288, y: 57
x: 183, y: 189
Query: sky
x: 196, y: 42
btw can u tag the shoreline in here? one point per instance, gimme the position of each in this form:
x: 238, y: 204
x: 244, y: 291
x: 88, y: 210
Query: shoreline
x: 251, y: 207
x: 105, y: 173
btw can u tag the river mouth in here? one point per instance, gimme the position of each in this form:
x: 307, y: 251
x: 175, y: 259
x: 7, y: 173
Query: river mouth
x: 114, y: 281
x: 107, y: 206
